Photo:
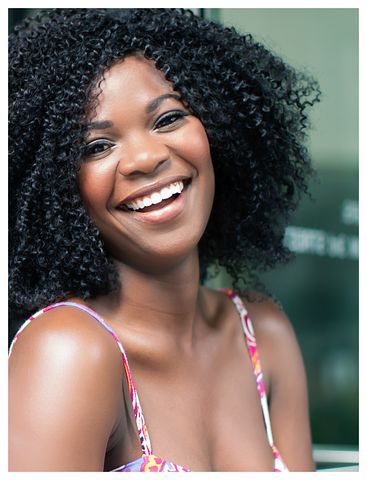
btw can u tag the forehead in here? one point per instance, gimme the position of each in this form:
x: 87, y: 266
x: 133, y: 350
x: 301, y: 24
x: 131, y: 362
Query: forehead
x: 132, y: 80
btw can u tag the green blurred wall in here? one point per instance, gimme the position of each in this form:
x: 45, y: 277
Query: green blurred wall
x: 319, y: 289
x: 323, y: 42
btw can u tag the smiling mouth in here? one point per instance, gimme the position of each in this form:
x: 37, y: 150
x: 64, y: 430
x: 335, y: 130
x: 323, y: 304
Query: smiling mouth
x: 157, y: 199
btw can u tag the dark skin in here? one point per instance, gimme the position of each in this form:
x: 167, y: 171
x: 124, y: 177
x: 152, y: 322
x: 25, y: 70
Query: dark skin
x: 184, y: 342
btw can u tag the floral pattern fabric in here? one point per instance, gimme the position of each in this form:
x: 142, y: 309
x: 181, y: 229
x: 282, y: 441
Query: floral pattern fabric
x: 150, y: 463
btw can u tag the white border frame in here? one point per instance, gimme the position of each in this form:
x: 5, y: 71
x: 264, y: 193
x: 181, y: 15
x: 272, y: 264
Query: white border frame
x: 362, y: 6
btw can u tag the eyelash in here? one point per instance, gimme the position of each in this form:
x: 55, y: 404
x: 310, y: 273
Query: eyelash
x: 163, y: 122
x: 176, y: 114
x: 89, y: 150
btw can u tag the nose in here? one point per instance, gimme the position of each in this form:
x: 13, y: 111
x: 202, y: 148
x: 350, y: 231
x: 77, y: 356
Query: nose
x: 143, y: 154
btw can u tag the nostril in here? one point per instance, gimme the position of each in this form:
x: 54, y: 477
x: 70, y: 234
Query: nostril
x: 143, y: 161
x: 161, y: 162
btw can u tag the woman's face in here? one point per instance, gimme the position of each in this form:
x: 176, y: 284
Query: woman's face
x: 147, y: 180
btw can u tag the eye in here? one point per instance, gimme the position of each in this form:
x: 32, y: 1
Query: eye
x: 97, y: 147
x: 170, y: 118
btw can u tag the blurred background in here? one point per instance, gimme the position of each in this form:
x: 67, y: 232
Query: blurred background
x: 319, y: 289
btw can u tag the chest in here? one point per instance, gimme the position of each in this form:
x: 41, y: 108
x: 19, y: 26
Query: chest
x: 204, y: 414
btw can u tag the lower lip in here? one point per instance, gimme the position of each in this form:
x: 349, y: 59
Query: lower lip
x: 165, y: 214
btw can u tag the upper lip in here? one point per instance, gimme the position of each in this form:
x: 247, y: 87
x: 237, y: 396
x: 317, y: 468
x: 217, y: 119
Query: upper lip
x: 153, y: 187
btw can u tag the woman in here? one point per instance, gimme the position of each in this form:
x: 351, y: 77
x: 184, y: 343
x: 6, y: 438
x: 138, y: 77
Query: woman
x: 145, y: 146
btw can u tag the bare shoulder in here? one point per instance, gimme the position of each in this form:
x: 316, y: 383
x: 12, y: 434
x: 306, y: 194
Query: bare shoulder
x: 283, y: 370
x: 275, y: 336
x: 285, y: 377
x: 268, y: 318
x: 63, y: 368
x: 64, y: 329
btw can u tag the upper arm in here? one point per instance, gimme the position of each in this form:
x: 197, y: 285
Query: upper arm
x: 64, y: 393
x: 283, y: 366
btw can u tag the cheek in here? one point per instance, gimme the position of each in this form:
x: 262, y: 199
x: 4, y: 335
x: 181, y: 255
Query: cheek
x: 201, y: 150
x: 95, y: 185
x: 198, y: 150
x: 195, y: 142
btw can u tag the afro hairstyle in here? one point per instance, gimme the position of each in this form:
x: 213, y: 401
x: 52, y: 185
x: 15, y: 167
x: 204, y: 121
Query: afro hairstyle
x: 253, y: 106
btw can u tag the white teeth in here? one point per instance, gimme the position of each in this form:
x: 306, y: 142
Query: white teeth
x: 156, y: 197
x: 165, y: 193
x: 175, y: 188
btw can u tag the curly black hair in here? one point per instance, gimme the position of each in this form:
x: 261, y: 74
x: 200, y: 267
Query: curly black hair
x: 252, y: 105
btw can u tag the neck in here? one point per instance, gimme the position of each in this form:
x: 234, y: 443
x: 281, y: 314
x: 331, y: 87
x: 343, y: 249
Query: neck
x: 164, y: 305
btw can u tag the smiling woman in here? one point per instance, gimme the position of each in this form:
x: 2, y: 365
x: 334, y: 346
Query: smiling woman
x: 145, y: 146
x: 145, y: 154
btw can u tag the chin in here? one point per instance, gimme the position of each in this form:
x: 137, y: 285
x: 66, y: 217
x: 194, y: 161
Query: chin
x: 161, y: 254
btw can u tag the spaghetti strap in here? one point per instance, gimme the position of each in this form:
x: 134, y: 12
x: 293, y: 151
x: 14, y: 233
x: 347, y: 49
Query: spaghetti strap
x: 138, y: 413
x: 248, y: 330
x: 149, y: 462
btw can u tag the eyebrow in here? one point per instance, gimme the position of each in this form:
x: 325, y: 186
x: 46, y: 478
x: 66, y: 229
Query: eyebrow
x: 103, y: 124
x: 154, y: 104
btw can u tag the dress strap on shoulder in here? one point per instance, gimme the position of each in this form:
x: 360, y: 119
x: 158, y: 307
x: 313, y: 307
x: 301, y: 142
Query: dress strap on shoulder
x: 248, y: 330
x: 138, y: 413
